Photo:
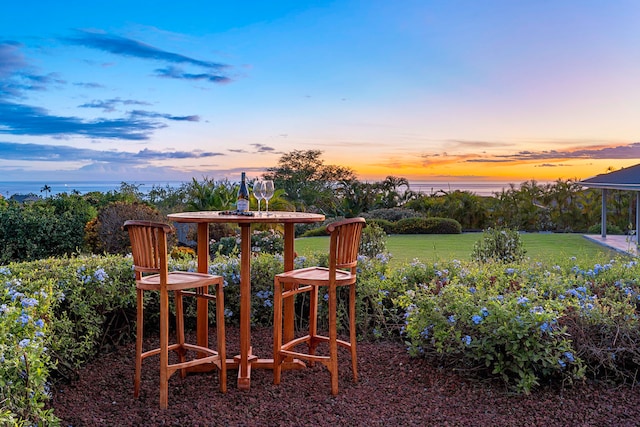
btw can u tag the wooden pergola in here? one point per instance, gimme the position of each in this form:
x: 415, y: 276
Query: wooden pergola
x: 624, y: 179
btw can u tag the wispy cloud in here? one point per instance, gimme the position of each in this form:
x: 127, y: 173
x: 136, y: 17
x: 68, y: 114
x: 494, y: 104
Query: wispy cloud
x: 21, y: 119
x: 11, y: 59
x: 551, y: 158
x: 109, y: 105
x: 178, y: 73
x: 261, y: 148
x: 478, y: 144
x: 17, y: 76
x: 628, y: 151
x: 154, y: 115
x: 56, y: 153
x: 123, y: 46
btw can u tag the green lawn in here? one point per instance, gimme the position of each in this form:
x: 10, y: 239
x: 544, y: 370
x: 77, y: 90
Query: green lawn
x: 435, y: 247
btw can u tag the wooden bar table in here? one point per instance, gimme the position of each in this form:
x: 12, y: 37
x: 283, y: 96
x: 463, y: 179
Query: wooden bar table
x: 246, y: 359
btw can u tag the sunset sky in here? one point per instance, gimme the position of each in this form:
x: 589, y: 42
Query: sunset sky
x: 441, y: 90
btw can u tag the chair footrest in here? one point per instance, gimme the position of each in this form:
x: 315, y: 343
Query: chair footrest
x: 286, y: 348
x: 178, y: 347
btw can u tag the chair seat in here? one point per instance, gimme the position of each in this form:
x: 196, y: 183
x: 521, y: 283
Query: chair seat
x: 318, y: 276
x: 177, y: 281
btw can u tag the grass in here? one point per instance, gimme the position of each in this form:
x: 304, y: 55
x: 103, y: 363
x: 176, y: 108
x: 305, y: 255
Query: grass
x: 439, y: 247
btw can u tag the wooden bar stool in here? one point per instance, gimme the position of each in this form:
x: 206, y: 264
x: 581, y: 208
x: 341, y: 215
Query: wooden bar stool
x: 149, y: 249
x: 343, y: 258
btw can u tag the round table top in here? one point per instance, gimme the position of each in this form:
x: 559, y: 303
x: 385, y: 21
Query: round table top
x: 261, y: 217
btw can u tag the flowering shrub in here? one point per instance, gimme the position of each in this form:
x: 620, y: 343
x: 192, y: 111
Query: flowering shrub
x: 24, y: 355
x: 373, y: 240
x: 499, y: 245
x: 526, y: 323
x: 263, y: 241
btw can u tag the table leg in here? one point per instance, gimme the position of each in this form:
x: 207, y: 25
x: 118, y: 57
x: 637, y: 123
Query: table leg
x: 244, y: 370
x: 202, y: 323
x: 289, y: 256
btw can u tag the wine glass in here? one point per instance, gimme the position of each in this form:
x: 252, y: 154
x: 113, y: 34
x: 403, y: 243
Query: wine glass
x: 267, y: 192
x: 258, y: 188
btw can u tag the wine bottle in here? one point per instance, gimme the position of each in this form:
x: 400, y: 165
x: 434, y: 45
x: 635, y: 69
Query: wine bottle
x: 242, y: 205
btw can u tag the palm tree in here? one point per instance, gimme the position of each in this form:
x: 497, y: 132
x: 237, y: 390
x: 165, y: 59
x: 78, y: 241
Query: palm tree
x: 46, y: 190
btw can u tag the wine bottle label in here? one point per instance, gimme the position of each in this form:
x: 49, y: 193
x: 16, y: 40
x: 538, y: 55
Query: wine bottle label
x: 242, y: 205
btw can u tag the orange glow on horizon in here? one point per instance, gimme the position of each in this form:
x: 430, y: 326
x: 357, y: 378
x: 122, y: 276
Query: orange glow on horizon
x: 515, y: 172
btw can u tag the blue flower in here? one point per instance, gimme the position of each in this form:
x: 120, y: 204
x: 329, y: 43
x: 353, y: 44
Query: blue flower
x: 545, y: 327
x: 29, y: 302
x: 425, y: 332
x: 472, y: 290
x: 24, y: 318
x: 484, y: 312
x: 39, y: 323
x: 510, y: 271
x: 100, y: 275
x: 561, y: 363
x: 476, y: 319
x: 466, y: 340
x: 569, y: 356
x: 523, y: 300
x: 452, y: 319
x: 25, y: 342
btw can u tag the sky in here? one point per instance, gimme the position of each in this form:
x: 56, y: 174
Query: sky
x: 431, y: 90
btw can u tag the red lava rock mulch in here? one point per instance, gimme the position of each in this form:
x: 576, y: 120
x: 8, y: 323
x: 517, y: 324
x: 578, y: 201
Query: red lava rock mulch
x: 394, y: 390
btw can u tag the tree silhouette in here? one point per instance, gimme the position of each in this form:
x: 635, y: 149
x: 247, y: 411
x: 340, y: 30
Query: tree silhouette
x: 46, y: 190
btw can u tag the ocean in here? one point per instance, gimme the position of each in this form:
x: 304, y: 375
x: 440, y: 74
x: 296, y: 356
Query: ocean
x: 8, y: 188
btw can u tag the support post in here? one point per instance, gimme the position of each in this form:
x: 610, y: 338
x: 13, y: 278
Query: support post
x: 603, y: 216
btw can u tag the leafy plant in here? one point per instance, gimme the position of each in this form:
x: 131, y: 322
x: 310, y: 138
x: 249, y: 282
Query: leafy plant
x: 373, y: 241
x: 499, y: 245
x: 494, y: 320
x: 427, y: 226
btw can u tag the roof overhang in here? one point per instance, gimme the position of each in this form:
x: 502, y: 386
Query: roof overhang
x: 610, y: 186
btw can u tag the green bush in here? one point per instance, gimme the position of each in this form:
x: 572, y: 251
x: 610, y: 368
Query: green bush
x: 528, y: 323
x: 499, y: 245
x: 55, y: 315
x: 41, y: 229
x: 427, y: 226
x: 391, y: 214
x: 477, y: 320
x: 387, y: 226
x: 315, y: 232
x: 611, y: 229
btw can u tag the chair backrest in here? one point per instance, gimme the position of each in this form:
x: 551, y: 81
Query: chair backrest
x: 148, y: 245
x: 345, y: 242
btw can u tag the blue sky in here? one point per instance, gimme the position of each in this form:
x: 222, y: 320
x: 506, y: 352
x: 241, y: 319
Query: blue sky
x: 430, y: 90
